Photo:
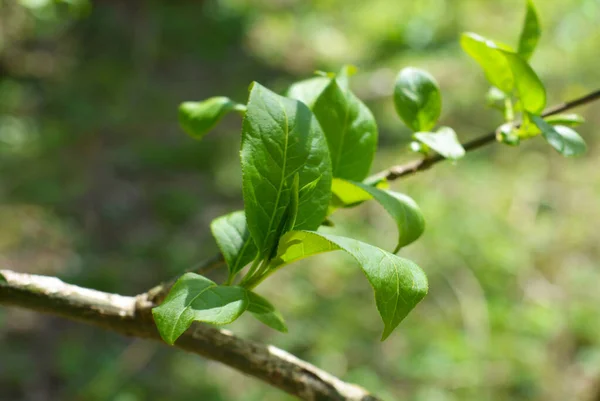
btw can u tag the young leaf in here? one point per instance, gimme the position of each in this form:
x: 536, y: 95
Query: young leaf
x: 264, y: 311
x: 532, y: 92
x: 568, y: 120
x: 196, y: 298
x: 565, y: 140
x: 350, y: 130
x: 403, y: 209
x: 417, y: 99
x: 399, y: 284
x: 530, y: 34
x: 197, y: 118
x: 346, y: 194
x: 494, y: 64
x: 282, y: 138
x: 2, y: 279
x: 234, y: 240
x: 506, y: 70
x: 308, y: 90
x: 444, y: 141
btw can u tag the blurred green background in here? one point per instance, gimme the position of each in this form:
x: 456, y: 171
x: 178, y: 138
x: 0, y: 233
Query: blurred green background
x: 99, y: 186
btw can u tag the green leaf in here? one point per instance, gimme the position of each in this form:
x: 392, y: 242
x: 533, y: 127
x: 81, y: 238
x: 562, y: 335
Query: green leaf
x: 494, y: 64
x: 417, y: 99
x: 234, y: 240
x: 350, y: 130
x: 264, y: 311
x: 399, y: 284
x: 3, y: 279
x: 530, y: 34
x: 565, y: 140
x: 346, y: 194
x: 197, y: 118
x: 196, y: 298
x: 308, y: 90
x: 282, y: 138
x: 506, y: 70
x: 403, y: 209
x: 291, y: 213
x: 568, y: 120
x: 444, y: 141
x: 532, y: 92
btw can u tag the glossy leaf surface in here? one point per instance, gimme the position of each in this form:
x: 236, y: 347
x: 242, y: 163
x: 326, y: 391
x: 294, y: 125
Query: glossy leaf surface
x: 564, y: 139
x: 350, y: 130
x: 530, y: 33
x: 444, y: 141
x: 417, y: 99
x: 281, y: 138
x: 197, y: 118
x: 196, y: 298
x: 398, y: 283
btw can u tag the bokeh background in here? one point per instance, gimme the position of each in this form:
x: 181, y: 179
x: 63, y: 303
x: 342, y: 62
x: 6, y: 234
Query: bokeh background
x: 99, y: 186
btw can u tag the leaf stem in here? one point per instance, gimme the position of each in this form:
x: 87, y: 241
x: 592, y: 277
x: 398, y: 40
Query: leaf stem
x: 253, y: 269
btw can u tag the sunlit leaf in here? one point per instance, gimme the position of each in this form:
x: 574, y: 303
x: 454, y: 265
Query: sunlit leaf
x: 417, y: 99
x: 532, y: 92
x: 506, y: 70
x: 494, y: 64
x: 307, y: 91
x: 564, y: 139
x: 530, y: 33
x: 196, y: 298
x: 346, y: 194
x: 350, y: 129
x: 444, y: 141
x: 404, y: 210
x: 197, y: 118
x: 398, y: 283
x: 282, y: 138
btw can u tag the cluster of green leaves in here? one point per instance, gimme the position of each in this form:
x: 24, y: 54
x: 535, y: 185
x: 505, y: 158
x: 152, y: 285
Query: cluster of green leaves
x: 303, y: 156
x: 308, y: 153
x: 516, y: 89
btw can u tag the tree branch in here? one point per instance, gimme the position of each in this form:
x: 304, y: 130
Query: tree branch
x: 132, y: 316
x: 415, y: 166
